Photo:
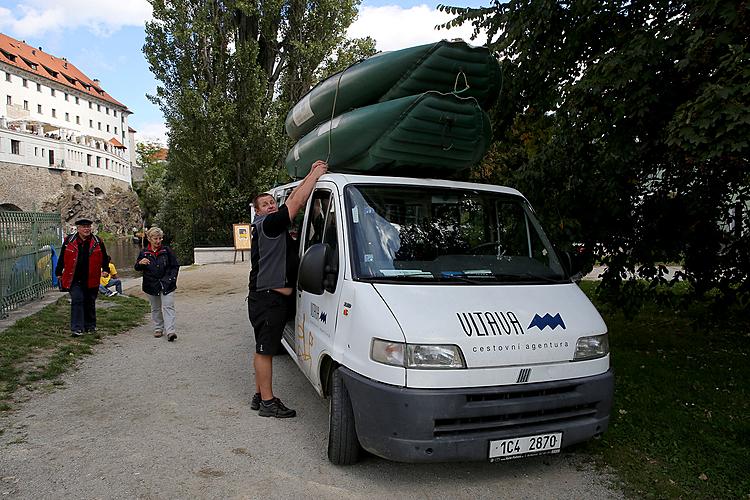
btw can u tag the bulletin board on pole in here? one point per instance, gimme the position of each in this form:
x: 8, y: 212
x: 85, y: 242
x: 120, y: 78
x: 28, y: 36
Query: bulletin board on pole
x: 241, y: 239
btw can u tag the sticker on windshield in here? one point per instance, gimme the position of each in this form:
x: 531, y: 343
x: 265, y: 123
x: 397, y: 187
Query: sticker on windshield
x: 355, y: 215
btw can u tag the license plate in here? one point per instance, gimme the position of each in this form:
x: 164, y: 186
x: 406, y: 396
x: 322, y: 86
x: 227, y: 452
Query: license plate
x: 541, y: 444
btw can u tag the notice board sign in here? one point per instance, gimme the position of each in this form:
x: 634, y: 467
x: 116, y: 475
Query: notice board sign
x: 241, y: 236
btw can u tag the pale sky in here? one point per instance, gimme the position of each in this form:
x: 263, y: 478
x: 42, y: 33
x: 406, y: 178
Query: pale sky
x: 104, y: 39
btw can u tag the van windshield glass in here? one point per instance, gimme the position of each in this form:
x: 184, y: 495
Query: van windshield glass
x: 408, y: 234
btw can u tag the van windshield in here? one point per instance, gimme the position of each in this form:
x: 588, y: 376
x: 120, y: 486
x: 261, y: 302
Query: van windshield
x: 409, y: 234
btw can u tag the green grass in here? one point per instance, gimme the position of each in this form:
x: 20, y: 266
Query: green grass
x: 680, y: 424
x: 39, y: 347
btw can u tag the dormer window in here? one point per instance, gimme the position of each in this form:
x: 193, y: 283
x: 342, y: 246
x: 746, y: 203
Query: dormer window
x: 51, y: 71
x: 30, y: 64
x: 8, y: 55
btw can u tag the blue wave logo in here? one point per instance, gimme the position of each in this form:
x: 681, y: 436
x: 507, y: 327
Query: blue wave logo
x: 547, y: 320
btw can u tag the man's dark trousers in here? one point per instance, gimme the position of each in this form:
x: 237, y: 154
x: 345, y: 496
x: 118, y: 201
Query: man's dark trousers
x: 82, y: 308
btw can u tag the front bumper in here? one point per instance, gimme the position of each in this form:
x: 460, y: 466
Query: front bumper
x: 441, y: 425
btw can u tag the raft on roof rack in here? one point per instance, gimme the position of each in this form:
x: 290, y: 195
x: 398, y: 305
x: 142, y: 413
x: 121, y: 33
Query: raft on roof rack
x: 445, y: 66
x: 419, y: 135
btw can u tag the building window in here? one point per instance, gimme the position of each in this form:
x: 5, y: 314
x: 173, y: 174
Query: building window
x: 78, y: 120
x: 106, y: 163
x: 8, y: 100
x: 25, y: 83
x: 26, y: 105
x: 98, y: 107
x: 54, y: 113
x: 98, y: 162
x: 67, y: 117
x: 38, y: 87
x: 91, y: 123
x: 66, y: 96
x: 15, y: 147
x: 108, y: 127
x: 39, y: 108
x: 114, y: 111
x: 99, y: 125
x: 52, y: 92
x: 88, y: 160
x: 36, y: 151
x: 115, y: 130
x: 7, y: 77
x: 107, y: 110
x: 76, y: 97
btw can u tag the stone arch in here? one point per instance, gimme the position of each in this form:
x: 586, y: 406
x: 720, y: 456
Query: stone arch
x: 10, y: 207
x: 78, y: 187
x: 99, y: 193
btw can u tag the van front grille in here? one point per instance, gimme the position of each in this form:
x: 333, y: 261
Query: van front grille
x: 498, y: 396
x: 512, y: 421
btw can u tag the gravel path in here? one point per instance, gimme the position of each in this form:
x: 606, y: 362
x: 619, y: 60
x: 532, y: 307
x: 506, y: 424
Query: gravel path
x: 145, y: 418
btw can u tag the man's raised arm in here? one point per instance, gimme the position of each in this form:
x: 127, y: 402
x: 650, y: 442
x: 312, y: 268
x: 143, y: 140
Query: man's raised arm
x: 299, y: 195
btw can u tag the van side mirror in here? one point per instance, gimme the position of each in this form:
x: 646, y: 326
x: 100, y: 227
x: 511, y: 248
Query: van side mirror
x: 312, y: 269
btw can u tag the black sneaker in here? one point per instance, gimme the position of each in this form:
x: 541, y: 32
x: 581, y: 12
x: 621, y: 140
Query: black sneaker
x: 91, y: 330
x: 255, y: 402
x: 76, y: 333
x: 172, y: 337
x: 275, y: 409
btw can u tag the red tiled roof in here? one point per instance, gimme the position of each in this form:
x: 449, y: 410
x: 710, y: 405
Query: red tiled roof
x: 116, y: 143
x: 161, y: 154
x: 27, y: 58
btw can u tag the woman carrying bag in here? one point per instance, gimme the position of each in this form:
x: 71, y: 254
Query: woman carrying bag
x: 159, y: 266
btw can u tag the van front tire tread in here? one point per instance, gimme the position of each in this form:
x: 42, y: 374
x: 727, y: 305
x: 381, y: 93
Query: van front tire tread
x: 343, y: 444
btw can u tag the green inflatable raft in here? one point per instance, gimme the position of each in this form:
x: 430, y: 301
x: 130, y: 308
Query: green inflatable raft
x: 445, y: 66
x: 427, y: 134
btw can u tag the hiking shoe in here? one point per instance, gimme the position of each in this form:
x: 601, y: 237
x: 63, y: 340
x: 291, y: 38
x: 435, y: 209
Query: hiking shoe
x: 158, y: 333
x: 113, y: 294
x: 255, y: 402
x: 172, y: 337
x: 76, y: 333
x: 275, y: 409
x: 91, y: 330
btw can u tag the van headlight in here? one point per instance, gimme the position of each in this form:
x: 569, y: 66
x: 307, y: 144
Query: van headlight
x: 596, y: 346
x: 424, y: 356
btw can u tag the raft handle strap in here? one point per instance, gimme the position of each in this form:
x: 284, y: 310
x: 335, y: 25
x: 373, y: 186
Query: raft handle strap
x: 455, y: 84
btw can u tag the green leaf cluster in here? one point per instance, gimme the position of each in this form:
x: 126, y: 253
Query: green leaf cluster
x: 627, y: 124
x: 228, y: 71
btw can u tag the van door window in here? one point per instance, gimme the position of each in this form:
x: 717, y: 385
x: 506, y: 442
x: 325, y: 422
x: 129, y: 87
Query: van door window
x: 316, y: 221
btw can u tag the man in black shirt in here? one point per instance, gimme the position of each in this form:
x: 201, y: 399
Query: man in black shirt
x: 273, y: 275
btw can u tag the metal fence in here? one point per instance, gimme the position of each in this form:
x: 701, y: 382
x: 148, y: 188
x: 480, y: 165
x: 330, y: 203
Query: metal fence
x: 29, y: 242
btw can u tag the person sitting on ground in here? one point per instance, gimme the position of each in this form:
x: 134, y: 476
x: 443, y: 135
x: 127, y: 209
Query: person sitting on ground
x: 108, y: 280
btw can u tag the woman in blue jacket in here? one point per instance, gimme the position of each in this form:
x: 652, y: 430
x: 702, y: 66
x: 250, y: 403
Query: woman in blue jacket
x: 159, y: 266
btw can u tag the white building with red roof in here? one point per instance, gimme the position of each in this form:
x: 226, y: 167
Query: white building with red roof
x: 54, y: 117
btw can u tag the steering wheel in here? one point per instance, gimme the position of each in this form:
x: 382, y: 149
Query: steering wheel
x: 483, y: 246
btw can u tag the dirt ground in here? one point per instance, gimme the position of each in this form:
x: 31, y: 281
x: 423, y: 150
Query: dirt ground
x: 146, y: 418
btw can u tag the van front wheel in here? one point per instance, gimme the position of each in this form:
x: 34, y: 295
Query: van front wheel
x: 343, y: 445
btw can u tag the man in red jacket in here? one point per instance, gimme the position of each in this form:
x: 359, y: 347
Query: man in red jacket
x: 83, y: 257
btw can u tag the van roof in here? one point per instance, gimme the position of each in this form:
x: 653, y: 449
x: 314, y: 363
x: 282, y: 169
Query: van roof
x: 345, y: 179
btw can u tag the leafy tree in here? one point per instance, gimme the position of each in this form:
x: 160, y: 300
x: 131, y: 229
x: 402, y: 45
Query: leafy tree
x: 151, y: 189
x: 627, y: 124
x: 228, y: 72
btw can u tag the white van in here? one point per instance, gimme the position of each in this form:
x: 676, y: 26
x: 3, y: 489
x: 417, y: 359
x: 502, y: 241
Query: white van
x: 441, y: 324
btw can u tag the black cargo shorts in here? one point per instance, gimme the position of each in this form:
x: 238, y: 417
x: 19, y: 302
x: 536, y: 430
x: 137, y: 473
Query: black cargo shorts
x: 268, y: 312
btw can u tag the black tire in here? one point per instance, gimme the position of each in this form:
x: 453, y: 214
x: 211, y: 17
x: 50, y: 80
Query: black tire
x: 343, y: 444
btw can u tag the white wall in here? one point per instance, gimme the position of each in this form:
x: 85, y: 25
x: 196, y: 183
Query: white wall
x: 34, y: 150
x: 89, y: 116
